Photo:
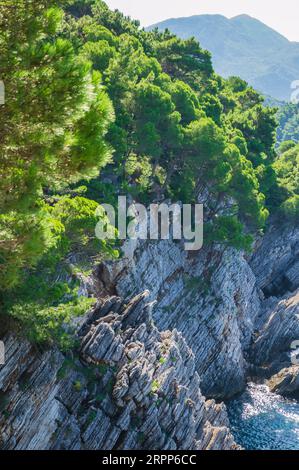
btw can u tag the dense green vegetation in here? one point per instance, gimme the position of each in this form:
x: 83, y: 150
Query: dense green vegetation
x: 288, y: 119
x: 287, y: 170
x: 82, y: 84
x: 52, y: 131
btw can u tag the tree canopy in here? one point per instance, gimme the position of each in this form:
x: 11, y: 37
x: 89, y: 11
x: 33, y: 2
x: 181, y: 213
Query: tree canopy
x: 83, y: 84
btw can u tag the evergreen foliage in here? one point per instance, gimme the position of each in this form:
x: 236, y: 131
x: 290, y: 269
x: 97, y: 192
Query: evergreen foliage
x: 83, y: 83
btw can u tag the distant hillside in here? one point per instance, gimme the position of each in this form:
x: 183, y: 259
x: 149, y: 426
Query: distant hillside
x: 245, y: 47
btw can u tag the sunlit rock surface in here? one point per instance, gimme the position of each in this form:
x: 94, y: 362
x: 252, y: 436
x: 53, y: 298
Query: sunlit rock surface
x: 169, y: 329
x: 130, y: 387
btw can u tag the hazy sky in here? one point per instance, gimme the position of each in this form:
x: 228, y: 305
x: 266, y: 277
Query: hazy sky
x: 281, y: 15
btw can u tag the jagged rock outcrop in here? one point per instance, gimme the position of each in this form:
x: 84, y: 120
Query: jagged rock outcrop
x: 276, y: 266
x: 130, y: 387
x: 211, y: 299
x: 286, y: 382
x: 146, y: 361
x: 222, y: 304
x: 275, y: 262
x: 274, y: 343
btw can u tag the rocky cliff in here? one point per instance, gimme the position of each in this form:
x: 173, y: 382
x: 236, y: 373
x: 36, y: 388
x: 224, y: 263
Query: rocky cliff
x: 129, y: 386
x: 210, y: 298
x: 171, y: 333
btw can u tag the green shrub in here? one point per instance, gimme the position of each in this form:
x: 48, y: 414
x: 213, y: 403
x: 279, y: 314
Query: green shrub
x: 50, y: 325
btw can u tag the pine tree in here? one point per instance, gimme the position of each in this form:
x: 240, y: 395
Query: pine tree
x: 52, y: 127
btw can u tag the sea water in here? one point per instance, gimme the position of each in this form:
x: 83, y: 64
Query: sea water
x: 261, y: 420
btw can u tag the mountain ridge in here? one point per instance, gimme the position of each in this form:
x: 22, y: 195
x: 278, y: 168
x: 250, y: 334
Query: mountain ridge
x: 243, y: 46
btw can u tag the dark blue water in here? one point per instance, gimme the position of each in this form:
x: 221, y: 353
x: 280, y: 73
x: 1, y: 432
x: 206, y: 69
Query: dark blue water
x: 261, y: 420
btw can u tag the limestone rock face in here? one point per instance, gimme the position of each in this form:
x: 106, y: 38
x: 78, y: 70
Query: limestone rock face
x: 276, y: 266
x: 276, y: 341
x: 286, y: 382
x: 233, y: 313
x: 169, y: 329
x: 130, y: 386
x: 275, y: 262
x: 211, y: 300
